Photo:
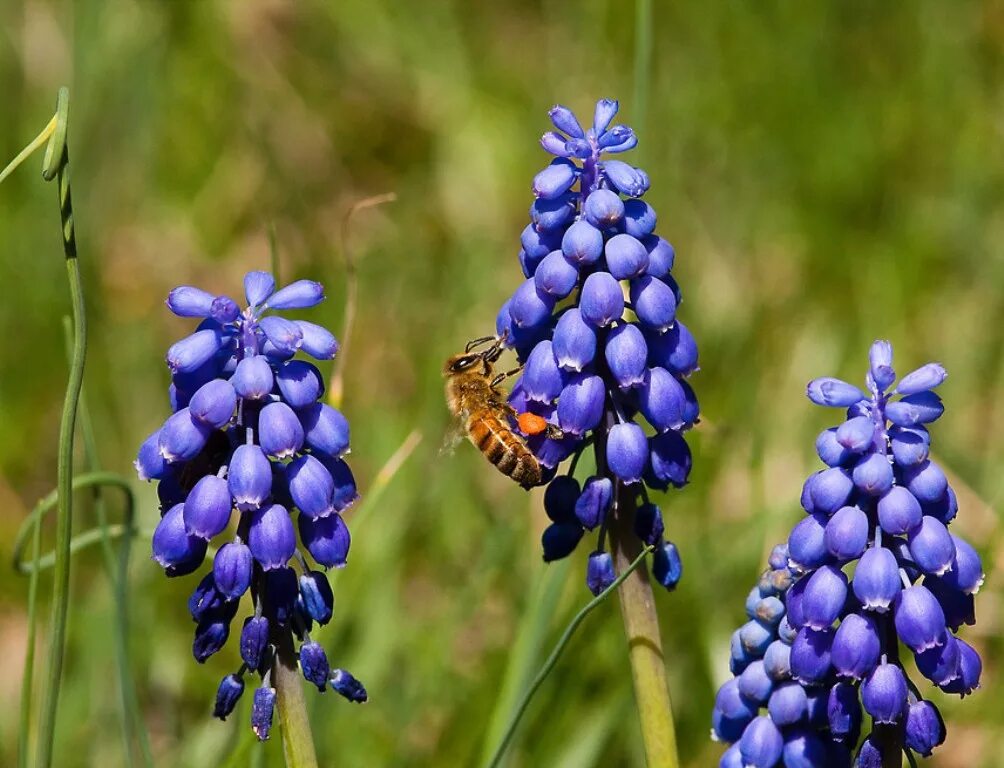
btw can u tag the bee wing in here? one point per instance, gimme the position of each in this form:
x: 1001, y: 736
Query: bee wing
x: 454, y: 436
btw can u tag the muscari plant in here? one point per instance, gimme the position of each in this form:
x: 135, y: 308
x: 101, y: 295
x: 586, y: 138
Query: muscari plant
x: 248, y: 444
x: 606, y: 360
x: 871, y: 571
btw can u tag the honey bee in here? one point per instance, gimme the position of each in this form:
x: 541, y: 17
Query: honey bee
x: 474, y: 397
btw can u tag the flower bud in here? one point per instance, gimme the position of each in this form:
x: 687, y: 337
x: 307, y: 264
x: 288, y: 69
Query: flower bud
x: 873, y: 474
x: 344, y: 684
x: 249, y: 477
x: 755, y: 638
x: 830, y: 490
x: 626, y: 179
x: 529, y: 307
x: 802, y: 749
x: 318, y: 342
x: 856, y: 647
x: 326, y: 538
x: 833, y: 392
x: 580, y: 405
x: 910, y: 445
x: 601, y: 300
x: 208, y: 507
x: 883, y: 693
x: 921, y: 408
x: 325, y: 430
x: 648, y: 524
x: 182, y: 438
x: 193, y: 351
x: 824, y: 597
x: 880, y: 358
x: 281, y: 595
x: 205, y: 599
x: 261, y: 712
x: 300, y: 383
x: 600, y: 572
x: 560, y: 497
x: 627, y: 451
x: 258, y: 286
x: 925, y: 729
x: 555, y: 276
x: 754, y: 683
x: 810, y: 655
x: 667, y: 568
x: 227, y: 695
x: 787, y: 704
x: 253, y: 378
x: 761, y: 744
x: 639, y: 219
x: 213, y: 403
x: 603, y: 209
x: 232, y: 569
x: 920, y: 621
x: 553, y: 214
x: 595, y: 501
x: 626, y: 354
x: 254, y: 641
x: 898, y: 511
x: 876, y: 581
x: 285, y: 335
x: 210, y: 635
x: 186, y: 301
x: 317, y: 597
x: 271, y: 538
x: 582, y: 243
x: 931, y: 546
x: 732, y: 712
x: 626, y: 257
x: 224, y: 310
x: 926, y: 482
x: 807, y: 547
x: 574, y: 343
x: 857, y: 434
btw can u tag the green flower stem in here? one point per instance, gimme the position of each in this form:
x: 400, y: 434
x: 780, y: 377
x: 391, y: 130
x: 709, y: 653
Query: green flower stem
x: 27, y: 677
x: 56, y: 166
x: 552, y: 660
x: 297, y: 740
x: 641, y: 626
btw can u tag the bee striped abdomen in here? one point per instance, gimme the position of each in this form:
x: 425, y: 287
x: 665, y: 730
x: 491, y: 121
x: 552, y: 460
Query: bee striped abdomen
x: 503, y: 448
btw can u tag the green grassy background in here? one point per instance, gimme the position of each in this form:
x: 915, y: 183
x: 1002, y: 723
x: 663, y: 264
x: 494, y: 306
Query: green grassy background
x: 828, y: 173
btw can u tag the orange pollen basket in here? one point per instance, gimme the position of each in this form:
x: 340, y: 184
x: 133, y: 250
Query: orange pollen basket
x: 531, y: 423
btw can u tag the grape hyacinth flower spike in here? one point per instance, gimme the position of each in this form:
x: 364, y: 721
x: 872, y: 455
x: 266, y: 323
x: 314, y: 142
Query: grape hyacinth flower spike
x: 872, y: 566
x: 606, y: 359
x: 249, y: 447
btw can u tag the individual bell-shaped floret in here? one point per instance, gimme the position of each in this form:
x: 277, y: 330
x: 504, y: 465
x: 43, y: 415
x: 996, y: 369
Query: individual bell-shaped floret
x: 924, y: 729
x: 661, y: 256
x: 208, y: 507
x: 910, y: 445
x: 648, y: 524
x: 174, y: 548
x: 182, y: 437
x: 732, y: 712
x: 967, y: 572
x: 787, y: 704
x: 232, y: 569
x: 777, y: 661
x: 188, y: 301
x: 574, y: 342
x: 253, y: 378
x: 580, y: 405
x: 314, y: 664
x: 920, y: 620
x: 318, y: 599
x: 224, y: 310
x: 582, y: 243
x: 803, y: 749
x: 830, y: 490
x: 675, y: 350
x: 880, y: 360
x: 810, y: 655
x: 345, y: 685
x: 560, y: 497
x: 843, y: 712
x: 626, y: 257
x: 542, y: 380
x: 670, y: 461
x: 529, y: 307
x: 970, y: 669
x: 555, y: 180
x: 857, y: 434
x: 807, y: 543
x: 254, y: 641
x: 931, y: 546
x: 311, y: 486
x: 755, y: 684
x: 940, y: 664
x: 846, y: 534
x: 301, y: 294
x: 205, y: 599
x: 150, y: 463
x: 603, y: 209
x: 261, y: 712
x: 283, y: 334
x: 249, y: 477
x: 626, y: 355
x: 856, y: 647
x: 193, y: 351
x: 272, y: 539
x: 559, y: 540
x: 326, y: 538
x: 898, y: 511
x: 595, y: 501
x: 211, y: 634
x: 213, y: 403
x: 919, y: 408
x: 227, y: 695
x: 280, y: 432
x: 883, y: 693
x: 600, y: 572
x: 553, y: 214
x: 626, y: 179
x: 755, y: 638
x: 601, y: 300
x: 667, y: 568
x: 833, y: 392
x: 258, y: 286
x: 325, y: 429
x: 555, y: 276
x: 761, y: 744
x: 627, y: 451
x: 876, y: 581
x: 654, y: 303
x: 873, y: 474
x: 824, y: 597
x: 662, y: 400
x: 639, y: 218
x: 926, y: 481
x: 926, y: 377
x: 300, y: 383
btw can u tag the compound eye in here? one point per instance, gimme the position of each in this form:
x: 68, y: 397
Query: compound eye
x: 465, y: 362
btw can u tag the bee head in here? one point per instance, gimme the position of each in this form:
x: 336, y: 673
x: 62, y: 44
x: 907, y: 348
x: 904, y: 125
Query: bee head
x: 461, y: 363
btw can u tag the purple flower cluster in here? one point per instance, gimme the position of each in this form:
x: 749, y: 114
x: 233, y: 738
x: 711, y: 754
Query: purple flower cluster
x: 595, y: 325
x: 871, y: 566
x: 249, y: 433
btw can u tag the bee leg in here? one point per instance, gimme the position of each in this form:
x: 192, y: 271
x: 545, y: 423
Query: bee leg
x: 503, y: 376
x: 478, y: 342
x: 554, y: 431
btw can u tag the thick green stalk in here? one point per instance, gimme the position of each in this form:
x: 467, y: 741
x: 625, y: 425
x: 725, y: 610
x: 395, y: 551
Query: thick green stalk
x: 297, y: 739
x: 56, y: 164
x: 641, y: 626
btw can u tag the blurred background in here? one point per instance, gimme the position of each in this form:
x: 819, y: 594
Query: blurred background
x: 828, y: 173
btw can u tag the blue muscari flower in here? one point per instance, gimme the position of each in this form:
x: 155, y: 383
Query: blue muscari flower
x: 248, y: 446
x: 601, y: 367
x: 872, y: 572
